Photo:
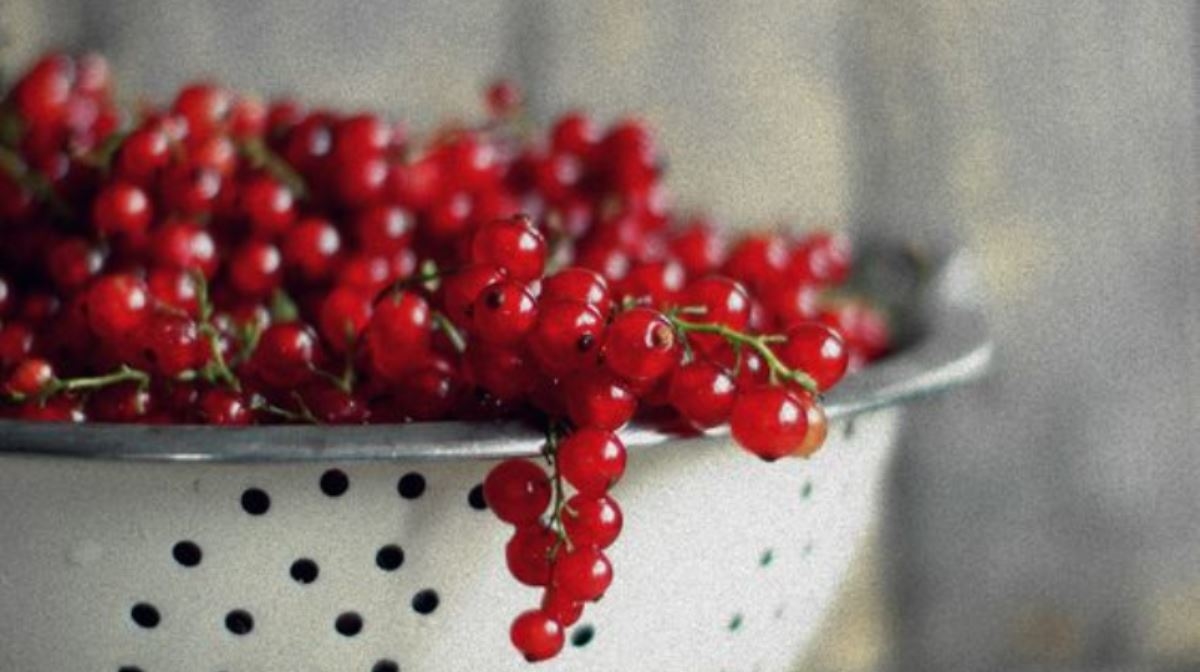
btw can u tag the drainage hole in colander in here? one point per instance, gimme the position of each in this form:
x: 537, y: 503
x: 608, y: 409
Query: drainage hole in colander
x: 583, y: 635
x: 187, y: 553
x: 304, y: 571
x: 239, y: 622
x: 475, y: 498
x: 335, y: 482
x: 425, y: 601
x: 129, y: 668
x: 386, y: 666
x: 255, y: 501
x: 389, y: 558
x: 348, y: 624
x: 145, y: 615
x: 411, y: 485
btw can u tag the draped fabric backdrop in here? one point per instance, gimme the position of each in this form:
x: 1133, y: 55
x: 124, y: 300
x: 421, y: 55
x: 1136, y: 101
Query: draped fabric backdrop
x: 1046, y: 517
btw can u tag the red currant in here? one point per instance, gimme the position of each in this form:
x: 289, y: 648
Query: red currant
x: 817, y: 350
x: 592, y: 521
x: 517, y: 491
x: 592, y: 460
x: 528, y: 554
x: 536, y: 635
x: 513, y: 244
x: 117, y: 305
x: 30, y: 377
x: 503, y: 313
x: 566, y: 336
x: 398, y: 335
x: 641, y: 345
x: 122, y: 209
x: 344, y: 314
x: 703, y: 393
x: 583, y: 573
x: 769, y: 421
x: 578, y: 284
x: 595, y: 398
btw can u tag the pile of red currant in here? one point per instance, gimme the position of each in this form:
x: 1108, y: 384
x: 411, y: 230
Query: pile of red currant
x: 223, y: 260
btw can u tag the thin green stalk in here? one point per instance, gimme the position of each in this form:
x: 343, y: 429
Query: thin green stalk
x: 759, y: 344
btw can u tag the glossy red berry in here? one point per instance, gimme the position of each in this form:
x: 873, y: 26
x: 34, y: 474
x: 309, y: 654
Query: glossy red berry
x: 758, y: 262
x: 584, y: 573
x: 503, y: 313
x: 269, y: 206
x: 817, y: 350
x: 122, y: 209
x: 823, y: 258
x: 383, y: 229
x: 186, y: 246
x: 703, y: 393
x: 72, y: 263
x: 595, y: 398
x: 699, y: 247
x: 143, y: 154
x: 398, y: 335
x: 536, y: 635
x: 561, y: 607
x: 256, y: 269
x: 206, y: 107
x: 286, y: 355
x: 528, y: 554
x: 221, y: 406
x: 591, y: 460
x: 574, y: 132
x: 30, y: 377
x: 770, y: 422
x: 578, y: 284
x: 517, y: 491
x: 460, y: 290
x: 344, y: 314
x: 506, y: 373
x: 117, y: 305
x: 503, y: 98
x: 641, y: 345
x: 310, y: 249
x: 513, y: 244
x: 592, y: 521
x: 566, y: 336
x: 171, y: 344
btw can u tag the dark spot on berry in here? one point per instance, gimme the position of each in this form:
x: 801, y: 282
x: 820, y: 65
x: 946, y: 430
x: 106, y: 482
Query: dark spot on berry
x: 145, y: 615
x: 585, y: 342
x: 389, y: 558
x: 348, y: 624
x: 475, y: 498
x: 583, y: 635
x: 335, y: 483
x: 494, y: 299
x: 149, y: 354
x: 411, y: 485
x: 304, y: 571
x: 425, y: 601
x: 385, y: 666
x: 187, y: 553
x: 255, y: 502
x: 239, y: 622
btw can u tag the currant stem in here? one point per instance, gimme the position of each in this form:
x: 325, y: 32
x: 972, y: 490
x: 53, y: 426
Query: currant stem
x: 560, y: 501
x: 759, y: 343
x: 456, y: 338
x: 217, y: 369
x: 262, y: 157
x: 15, y: 167
x: 124, y: 374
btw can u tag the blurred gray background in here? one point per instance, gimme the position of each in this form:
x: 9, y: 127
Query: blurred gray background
x: 1044, y: 520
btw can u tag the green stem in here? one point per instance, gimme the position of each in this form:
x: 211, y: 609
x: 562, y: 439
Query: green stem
x: 261, y: 156
x: 217, y: 369
x: 759, y: 343
x: 560, y: 501
x: 16, y: 168
x: 456, y: 338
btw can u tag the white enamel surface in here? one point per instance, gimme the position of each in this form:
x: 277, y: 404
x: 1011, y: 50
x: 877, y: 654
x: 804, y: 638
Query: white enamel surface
x: 86, y: 540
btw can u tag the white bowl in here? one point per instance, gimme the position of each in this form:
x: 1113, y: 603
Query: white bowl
x: 725, y: 562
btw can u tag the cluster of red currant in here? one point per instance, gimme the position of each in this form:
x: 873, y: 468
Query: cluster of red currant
x: 223, y: 260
